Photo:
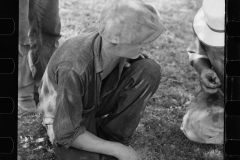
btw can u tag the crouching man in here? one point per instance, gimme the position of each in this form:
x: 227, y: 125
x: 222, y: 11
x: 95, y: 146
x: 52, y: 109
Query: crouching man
x: 204, y: 119
x: 91, y: 102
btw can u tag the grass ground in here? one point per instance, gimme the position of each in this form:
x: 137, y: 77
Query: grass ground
x: 158, y: 136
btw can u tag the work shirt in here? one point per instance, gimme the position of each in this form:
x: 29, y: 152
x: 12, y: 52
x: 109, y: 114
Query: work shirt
x: 72, y: 86
x: 214, y: 54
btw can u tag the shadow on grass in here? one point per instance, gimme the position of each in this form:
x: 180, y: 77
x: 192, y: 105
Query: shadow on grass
x: 159, y: 137
x: 33, y: 143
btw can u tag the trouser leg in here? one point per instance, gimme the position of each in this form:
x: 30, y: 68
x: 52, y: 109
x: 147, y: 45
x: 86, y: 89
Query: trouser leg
x: 35, y: 50
x: 26, y: 83
x: 43, y: 35
x: 126, y: 104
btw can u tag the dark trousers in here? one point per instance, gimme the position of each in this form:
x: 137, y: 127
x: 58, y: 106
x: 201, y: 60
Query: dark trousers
x: 39, y: 31
x: 119, y: 112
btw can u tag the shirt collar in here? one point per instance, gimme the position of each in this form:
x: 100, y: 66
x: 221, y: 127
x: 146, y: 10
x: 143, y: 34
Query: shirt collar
x: 98, y: 59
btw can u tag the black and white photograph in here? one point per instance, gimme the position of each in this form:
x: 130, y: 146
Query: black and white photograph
x: 121, y: 80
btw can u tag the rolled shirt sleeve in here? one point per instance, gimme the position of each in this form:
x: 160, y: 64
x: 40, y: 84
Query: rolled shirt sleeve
x: 67, y: 123
x: 195, y: 51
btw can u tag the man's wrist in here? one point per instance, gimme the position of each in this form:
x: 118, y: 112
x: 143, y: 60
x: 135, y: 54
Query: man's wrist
x: 119, y: 150
x: 201, y: 64
x: 113, y: 148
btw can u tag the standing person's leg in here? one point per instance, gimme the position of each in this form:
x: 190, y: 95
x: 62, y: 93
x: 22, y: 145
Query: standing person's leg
x: 44, y: 34
x: 26, y: 82
x: 40, y: 19
x: 126, y: 104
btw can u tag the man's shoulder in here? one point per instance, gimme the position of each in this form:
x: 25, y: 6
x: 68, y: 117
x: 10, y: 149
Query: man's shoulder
x: 76, y: 52
x: 84, y: 38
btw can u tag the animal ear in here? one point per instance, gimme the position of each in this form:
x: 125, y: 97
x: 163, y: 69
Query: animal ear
x: 215, y: 99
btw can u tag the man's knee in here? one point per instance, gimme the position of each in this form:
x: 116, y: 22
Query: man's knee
x: 149, y: 68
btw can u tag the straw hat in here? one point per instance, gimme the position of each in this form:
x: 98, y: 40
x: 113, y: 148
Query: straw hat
x: 130, y: 22
x: 209, y: 22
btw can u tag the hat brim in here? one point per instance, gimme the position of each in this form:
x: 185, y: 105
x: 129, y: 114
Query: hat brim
x: 205, y: 34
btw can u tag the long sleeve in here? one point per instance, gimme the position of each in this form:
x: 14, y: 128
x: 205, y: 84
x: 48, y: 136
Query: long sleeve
x: 195, y: 51
x: 67, y: 123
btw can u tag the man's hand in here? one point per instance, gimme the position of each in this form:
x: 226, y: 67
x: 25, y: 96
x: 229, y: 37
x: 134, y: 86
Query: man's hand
x: 91, y: 143
x: 127, y: 153
x: 209, y: 81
